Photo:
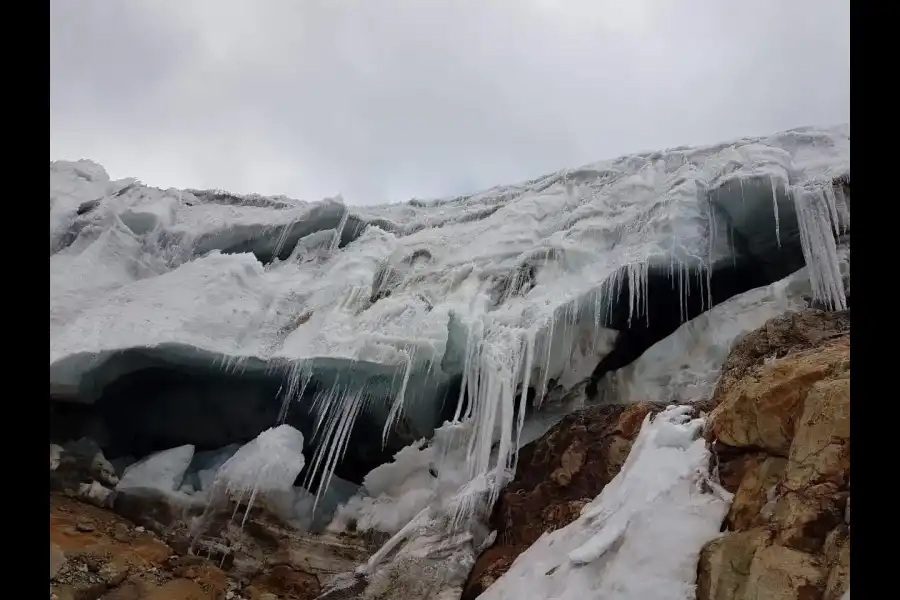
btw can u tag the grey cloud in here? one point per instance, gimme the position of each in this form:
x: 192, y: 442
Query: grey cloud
x: 391, y: 99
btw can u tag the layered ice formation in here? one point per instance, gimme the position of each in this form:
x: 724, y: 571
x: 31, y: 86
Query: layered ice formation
x: 473, y: 309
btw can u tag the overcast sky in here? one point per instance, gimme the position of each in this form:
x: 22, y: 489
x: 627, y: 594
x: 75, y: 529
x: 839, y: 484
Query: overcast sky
x: 383, y: 100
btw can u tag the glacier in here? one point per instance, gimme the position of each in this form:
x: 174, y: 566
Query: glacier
x: 397, y: 318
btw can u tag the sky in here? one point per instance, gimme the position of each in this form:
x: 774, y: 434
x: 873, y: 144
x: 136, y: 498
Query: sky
x: 386, y: 100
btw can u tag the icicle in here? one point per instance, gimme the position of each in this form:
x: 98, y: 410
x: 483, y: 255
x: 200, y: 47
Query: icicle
x: 333, y: 444
x: 545, y: 379
x: 323, y: 403
x: 298, y: 379
x: 397, y: 407
x: 775, y: 205
x: 282, y: 238
x: 632, y: 285
x: 523, y: 395
x: 341, y: 440
x: 713, y: 237
x: 646, y: 276
x: 819, y: 249
x: 339, y: 232
x: 842, y: 208
x: 707, y: 270
x: 831, y: 202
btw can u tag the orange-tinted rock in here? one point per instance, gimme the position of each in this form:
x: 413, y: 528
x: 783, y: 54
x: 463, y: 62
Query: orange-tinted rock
x: 779, y: 337
x: 108, y: 558
x: 286, y: 584
x: 782, y: 436
x: 837, y: 555
x: 761, y: 411
x: 779, y: 573
x: 725, y: 564
x: 820, y: 451
x: 182, y: 589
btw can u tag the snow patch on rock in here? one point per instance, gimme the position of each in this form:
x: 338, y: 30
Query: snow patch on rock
x: 642, y: 536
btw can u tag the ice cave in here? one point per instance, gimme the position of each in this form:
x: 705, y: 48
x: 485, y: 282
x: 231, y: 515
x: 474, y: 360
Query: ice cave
x: 378, y: 367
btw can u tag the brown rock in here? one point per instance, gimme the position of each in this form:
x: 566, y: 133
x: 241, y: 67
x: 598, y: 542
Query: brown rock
x: 805, y: 519
x: 570, y: 463
x: 493, y: 564
x: 725, y: 564
x: 838, y: 556
x: 285, y: 583
x: 97, y: 565
x: 153, y: 509
x: 760, y: 412
x: 130, y: 590
x: 121, y: 533
x: 820, y: 450
x: 181, y: 589
x: 782, y: 440
x: 754, y: 492
x: 564, y: 513
x: 733, y: 467
x: 779, y: 573
x: 778, y: 338
x: 114, y: 572
x: 84, y: 525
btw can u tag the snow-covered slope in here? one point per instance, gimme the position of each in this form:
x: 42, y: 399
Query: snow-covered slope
x: 642, y: 536
x: 509, y: 288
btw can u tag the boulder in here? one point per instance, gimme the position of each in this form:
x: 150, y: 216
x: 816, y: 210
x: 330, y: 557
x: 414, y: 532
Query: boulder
x: 781, y: 432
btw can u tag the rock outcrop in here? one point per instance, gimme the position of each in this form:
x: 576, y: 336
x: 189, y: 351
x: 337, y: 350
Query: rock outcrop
x: 94, y: 554
x: 781, y: 433
x: 147, y: 544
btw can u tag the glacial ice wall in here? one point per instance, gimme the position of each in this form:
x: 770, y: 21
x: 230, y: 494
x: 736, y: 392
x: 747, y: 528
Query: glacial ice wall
x: 506, y: 289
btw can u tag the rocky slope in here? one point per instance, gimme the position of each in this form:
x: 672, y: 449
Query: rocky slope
x: 142, y: 544
x: 96, y: 553
x: 780, y: 431
x: 778, y: 427
x: 782, y: 435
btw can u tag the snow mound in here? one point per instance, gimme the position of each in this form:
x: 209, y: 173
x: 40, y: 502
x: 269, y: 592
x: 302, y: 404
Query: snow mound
x: 161, y: 471
x: 420, y: 476
x: 266, y: 466
x: 641, y: 537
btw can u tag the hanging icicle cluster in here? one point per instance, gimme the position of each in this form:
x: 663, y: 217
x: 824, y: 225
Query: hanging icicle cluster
x: 500, y: 360
x: 820, y: 224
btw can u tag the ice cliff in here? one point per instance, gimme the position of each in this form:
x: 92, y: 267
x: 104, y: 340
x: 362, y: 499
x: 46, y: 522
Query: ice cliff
x: 372, y: 325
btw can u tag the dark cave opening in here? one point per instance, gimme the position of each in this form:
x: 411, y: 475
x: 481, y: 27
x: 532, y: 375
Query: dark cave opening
x: 164, y: 405
x: 667, y: 309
